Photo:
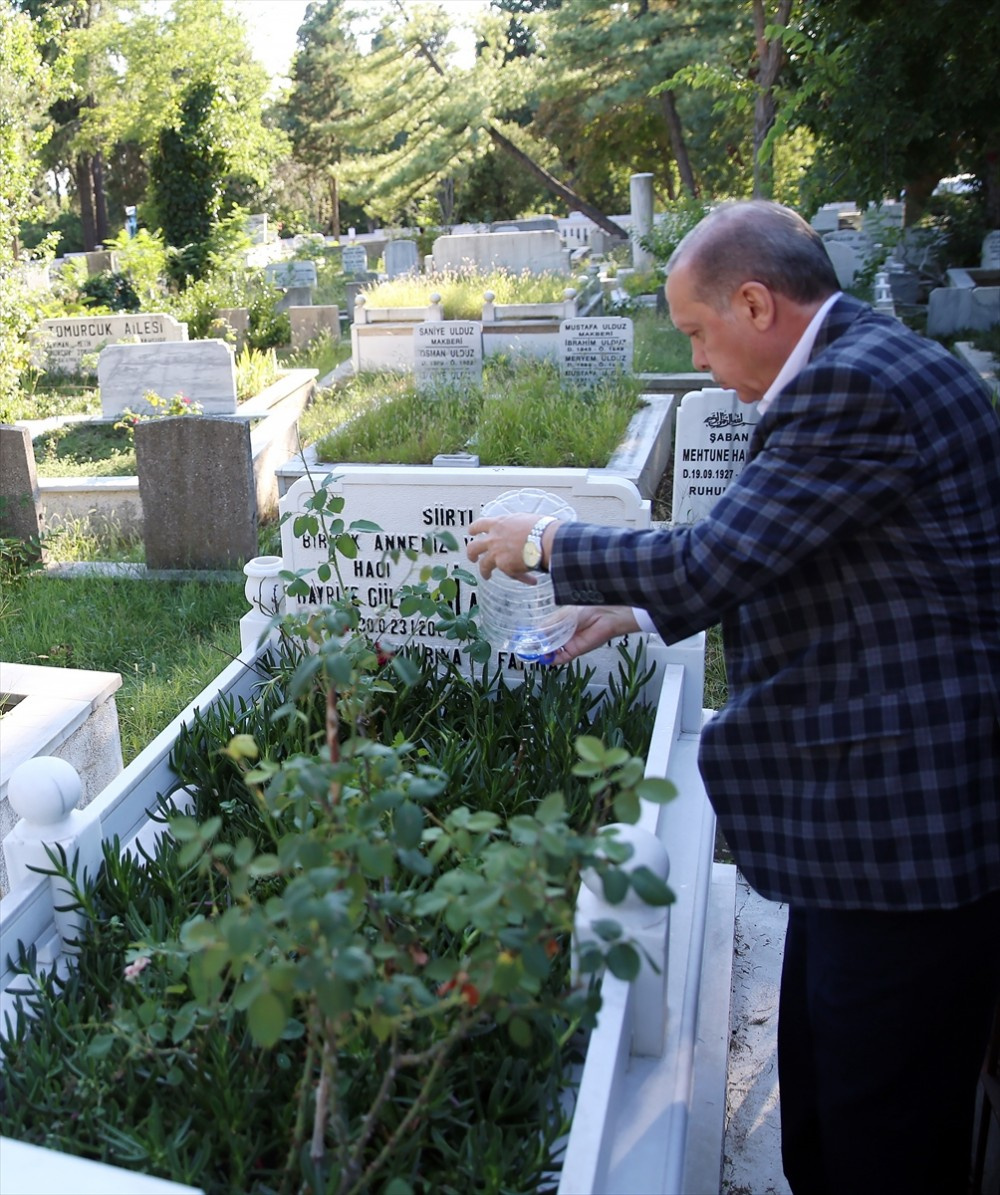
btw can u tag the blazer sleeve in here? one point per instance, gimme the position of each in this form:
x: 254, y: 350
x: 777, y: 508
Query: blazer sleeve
x: 832, y: 455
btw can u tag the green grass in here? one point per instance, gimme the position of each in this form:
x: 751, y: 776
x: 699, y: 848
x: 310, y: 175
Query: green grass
x: 520, y: 416
x: 462, y: 291
x: 168, y: 639
x: 85, y: 450
x: 44, y: 398
x: 657, y: 345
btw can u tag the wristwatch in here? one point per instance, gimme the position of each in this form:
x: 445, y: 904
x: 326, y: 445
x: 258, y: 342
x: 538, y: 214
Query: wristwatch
x: 532, y: 551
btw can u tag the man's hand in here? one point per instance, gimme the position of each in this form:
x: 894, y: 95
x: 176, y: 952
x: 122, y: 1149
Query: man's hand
x: 499, y: 543
x: 595, y: 626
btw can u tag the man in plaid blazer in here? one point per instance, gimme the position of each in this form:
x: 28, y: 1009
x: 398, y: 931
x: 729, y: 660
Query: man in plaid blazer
x: 855, y: 568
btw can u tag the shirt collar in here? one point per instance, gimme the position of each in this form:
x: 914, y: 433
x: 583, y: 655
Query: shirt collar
x: 798, y: 358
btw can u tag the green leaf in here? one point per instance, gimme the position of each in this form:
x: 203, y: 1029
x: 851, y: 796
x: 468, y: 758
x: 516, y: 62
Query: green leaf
x: 266, y: 1019
x: 649, y: 887
x: 627, y: 808
x: 615, y: 885
x: 606, y: 929
x: 409, y: 825
x: 346, y: 546
x: 623, y: 961
x: 656, y: 790
x: 101, y: 1046
x: 520, y: 1032
x: 590, y: 749
x: 551, y: 809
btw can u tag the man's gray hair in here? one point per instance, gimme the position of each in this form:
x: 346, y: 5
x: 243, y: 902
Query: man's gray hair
x: 755, y: 240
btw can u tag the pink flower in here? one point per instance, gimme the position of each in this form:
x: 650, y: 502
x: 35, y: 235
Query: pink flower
x: 134, y: 970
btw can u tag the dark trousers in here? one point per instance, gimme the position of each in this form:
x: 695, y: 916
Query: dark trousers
x: 882, y: 1030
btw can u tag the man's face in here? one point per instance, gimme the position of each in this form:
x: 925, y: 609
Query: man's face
x: 725, y: 343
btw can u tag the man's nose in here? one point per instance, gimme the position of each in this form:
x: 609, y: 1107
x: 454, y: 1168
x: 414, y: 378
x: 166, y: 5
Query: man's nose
x: 698, y: 358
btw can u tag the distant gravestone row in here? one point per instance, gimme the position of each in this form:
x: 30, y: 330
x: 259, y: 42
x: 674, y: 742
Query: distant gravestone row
x: 590, y: 350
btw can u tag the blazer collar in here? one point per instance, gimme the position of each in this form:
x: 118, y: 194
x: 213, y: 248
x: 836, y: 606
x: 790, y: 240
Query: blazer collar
x: 838, y: 319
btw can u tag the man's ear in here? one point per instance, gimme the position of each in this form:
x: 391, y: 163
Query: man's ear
x: 755, y: 301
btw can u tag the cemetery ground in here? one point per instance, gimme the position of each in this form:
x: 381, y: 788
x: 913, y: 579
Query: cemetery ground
x: 168, y: 637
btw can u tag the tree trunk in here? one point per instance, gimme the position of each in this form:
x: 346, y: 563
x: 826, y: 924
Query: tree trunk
x: 335, y: 208
x: 677, y: 143
x: 101, y: 229
x: 771, y: 58
x: 551, y: 183
x: 85, y: 191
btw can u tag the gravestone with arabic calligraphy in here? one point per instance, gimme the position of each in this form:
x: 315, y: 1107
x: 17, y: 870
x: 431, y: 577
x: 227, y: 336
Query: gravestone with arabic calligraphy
x: 710, y: 449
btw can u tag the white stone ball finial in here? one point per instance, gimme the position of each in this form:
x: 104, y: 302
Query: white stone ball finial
x: 44, y: 790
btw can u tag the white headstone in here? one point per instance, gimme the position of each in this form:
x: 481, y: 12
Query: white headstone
x: 540, y: 252
x: 289, y: 274
x: 59, y: 345
x: 448, y: 351
x: 990, y: 256
x: 594, y: 348
x: 354, y: 259
x: 410, y: 504
x: 256, y: 227
x: 202, y: 370
x: 710, y: 449
x: 401, y: 257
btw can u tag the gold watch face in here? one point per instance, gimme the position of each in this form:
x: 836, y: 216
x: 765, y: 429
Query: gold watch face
x: 532, y: 553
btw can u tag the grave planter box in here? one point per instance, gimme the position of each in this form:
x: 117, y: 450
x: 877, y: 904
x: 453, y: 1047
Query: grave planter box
x: 382, y: 337
x: 115, y: 501
x: 649, y: 1101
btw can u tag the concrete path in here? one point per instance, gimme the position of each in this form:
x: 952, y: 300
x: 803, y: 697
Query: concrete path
x: 752, y: 1152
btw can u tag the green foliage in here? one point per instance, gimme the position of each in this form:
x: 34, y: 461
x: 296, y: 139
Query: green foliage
x: 24, y: 81
x: 111, y: 292
x: 186, y: 181
x: 354, y: 951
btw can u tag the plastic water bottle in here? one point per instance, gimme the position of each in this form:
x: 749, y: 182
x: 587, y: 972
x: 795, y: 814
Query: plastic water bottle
x: 518, y: 617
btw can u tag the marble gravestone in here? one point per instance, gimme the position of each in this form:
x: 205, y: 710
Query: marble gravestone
x: 447, y: 352
x: 202, y: 370
x: 710, y: 449
x: 594, y: 348
x: 401, y: 258
x: 412, y: 506
x: 59, y: 345
x: 291, y: 275
x: 354, y: 260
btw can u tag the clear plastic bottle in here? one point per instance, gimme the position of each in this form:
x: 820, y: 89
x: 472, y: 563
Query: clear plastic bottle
x: 518, y: 617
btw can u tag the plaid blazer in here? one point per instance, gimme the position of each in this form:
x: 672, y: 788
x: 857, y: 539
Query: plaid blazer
x: 855, y: 567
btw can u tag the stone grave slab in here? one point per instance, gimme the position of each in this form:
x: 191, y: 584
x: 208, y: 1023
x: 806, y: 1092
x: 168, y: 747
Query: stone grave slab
x: 237, y: 321
x: 291, y: 274
x: 20, y: 497
x: 410, y: 504
x: 197, y: 489
x: 202, y: 370
x: 592, y: 348
x: 59, y: 345
x: 710, y: 448
x: 256, y: 227
x: 354, y: 259
x: 446, y: 352
x: 309, y: 322
x: 989, y: 258
x: 401, y: 257
x: 540, y: 252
